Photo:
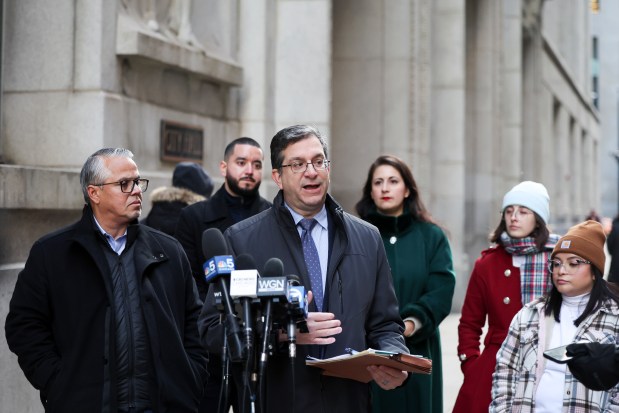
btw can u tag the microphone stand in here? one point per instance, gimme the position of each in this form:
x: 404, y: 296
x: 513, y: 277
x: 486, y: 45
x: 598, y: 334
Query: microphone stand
x: 292, y: 355
x: 224, y: 392
x: 264, y: 355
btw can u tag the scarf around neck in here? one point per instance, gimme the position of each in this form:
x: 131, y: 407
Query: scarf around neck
x: 534, y: 278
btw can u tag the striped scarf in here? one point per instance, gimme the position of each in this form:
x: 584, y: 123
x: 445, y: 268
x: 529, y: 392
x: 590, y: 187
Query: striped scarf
x: 534, y: 279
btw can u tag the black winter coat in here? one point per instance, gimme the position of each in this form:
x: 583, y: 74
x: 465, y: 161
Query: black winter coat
x: 194, y: 219
x: 612, y: 243
x: 60, y: 323
x: 168, y: 202
x: 358, y: 290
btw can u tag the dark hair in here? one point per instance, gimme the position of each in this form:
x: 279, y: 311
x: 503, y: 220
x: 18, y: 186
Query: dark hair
x: 290, y: 135
x: 412, y: 202
x: 239, y: 141
x: 600, y: 291
x: 540, y: 233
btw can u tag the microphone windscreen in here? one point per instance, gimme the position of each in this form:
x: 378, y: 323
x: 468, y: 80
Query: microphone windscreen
x: 213, y: 243
x: 274, y: 267
x: 244, y: 262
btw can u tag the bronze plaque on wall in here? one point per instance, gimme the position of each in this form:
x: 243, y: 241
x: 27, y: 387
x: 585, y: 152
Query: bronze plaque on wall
x: 181, y: 142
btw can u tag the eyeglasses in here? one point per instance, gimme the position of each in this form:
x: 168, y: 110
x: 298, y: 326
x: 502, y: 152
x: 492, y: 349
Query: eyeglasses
x: 298, y: 166
x: 516, y: 212
x: 570, y: 266
x: 128, y: 185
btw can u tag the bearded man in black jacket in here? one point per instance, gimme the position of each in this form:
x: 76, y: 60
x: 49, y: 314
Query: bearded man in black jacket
x: 237, y: 199
x: 103, y: 316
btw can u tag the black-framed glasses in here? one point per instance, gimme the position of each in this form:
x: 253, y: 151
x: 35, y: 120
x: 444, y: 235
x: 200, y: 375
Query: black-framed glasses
x: 128, y: 185
x: 570, y: 266
x: 298, y: 166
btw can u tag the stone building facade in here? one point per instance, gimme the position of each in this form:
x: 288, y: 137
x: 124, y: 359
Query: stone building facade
x: 476, y: 95
x: 605, y: 71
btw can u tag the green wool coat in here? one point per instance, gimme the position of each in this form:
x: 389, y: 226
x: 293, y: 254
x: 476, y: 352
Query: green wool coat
x: 424, y: 281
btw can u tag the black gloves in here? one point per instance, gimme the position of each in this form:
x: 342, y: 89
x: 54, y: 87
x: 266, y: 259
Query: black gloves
x: 595, y: 365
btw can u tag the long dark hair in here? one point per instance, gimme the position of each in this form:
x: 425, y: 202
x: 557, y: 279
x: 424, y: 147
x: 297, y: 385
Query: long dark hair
x: 540, y: 234
x: 600, y: 292
x: 412, y: 202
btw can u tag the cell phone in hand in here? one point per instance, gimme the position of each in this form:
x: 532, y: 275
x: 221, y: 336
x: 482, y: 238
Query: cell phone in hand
x: 558, y: 354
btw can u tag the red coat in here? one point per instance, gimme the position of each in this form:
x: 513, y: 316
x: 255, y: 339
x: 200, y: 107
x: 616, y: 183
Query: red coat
x: 493, y: 293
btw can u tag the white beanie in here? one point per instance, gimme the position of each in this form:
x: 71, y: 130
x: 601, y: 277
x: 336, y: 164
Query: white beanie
x: 530, y: 195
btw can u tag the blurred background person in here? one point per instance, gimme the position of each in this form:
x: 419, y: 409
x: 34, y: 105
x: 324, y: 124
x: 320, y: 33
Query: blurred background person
x: 612, y: 244
x: 511, y: 273
x: 238, y: 198
x: 423, y: 276
x: 580, y: 308
x: 593, y: 216
x: 190, y: 184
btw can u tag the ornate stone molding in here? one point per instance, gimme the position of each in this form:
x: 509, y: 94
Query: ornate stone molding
x: 159, y: 31
x: 532, y: 17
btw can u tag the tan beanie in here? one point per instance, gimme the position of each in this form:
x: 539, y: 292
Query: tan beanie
x: 585, y: 240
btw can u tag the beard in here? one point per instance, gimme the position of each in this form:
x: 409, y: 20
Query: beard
x: 234, y: 186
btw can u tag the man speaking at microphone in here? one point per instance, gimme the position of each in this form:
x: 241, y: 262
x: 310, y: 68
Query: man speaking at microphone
x: 341, y: 259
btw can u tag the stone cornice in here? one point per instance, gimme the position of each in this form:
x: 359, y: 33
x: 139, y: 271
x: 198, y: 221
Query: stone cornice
x: 135, y: 42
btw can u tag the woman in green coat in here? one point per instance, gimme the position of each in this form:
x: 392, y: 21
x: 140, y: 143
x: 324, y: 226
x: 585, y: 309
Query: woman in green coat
x: 423, y: 277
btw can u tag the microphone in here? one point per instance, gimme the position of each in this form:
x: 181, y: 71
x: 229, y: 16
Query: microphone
x: 272, y: 288
x: 269, y: 288
x: 297, y: 305
x: 243, y: 285
x: 216, y: 269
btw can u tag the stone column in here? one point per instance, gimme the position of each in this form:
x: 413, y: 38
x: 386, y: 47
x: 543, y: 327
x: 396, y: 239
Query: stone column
x: 561, y: 186
x: 447, y: 130
x: 256, y: 53
x: 483, y: 123
x: 511, y: 99
x: 302, y: 64
x: 589, y: 169
x: 580, y: 206
x: 358, y: 94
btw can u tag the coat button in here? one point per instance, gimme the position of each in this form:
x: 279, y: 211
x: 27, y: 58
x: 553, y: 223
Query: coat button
x: 392, y: 240
x: 508, y: 272
x: 506, y: 300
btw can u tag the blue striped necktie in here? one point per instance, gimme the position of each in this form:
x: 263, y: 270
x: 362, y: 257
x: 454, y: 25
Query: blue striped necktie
x: 312, y: 261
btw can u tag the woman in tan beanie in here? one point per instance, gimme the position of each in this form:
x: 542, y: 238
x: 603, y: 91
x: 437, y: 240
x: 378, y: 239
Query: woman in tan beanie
x: 580, y: 308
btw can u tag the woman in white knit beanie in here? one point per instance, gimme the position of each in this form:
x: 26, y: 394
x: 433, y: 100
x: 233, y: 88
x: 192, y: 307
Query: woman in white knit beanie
x: 509, y: 274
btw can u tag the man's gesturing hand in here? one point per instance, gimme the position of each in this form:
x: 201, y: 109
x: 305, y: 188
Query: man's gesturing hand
x: 321, y: 327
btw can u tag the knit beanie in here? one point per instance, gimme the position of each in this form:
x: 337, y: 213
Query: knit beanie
x: 530, y: 195
x: 192, y: 176
x: 585, y: 240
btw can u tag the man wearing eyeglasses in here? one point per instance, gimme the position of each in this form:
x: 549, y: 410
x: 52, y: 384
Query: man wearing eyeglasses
x: 103, y: 316
x: 341, y: 259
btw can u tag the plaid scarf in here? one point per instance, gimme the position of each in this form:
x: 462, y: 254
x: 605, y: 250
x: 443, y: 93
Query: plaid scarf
x: 534, y: 279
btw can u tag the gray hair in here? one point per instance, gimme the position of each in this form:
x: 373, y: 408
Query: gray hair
x: 290, y: 135
x: 94, y: 171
